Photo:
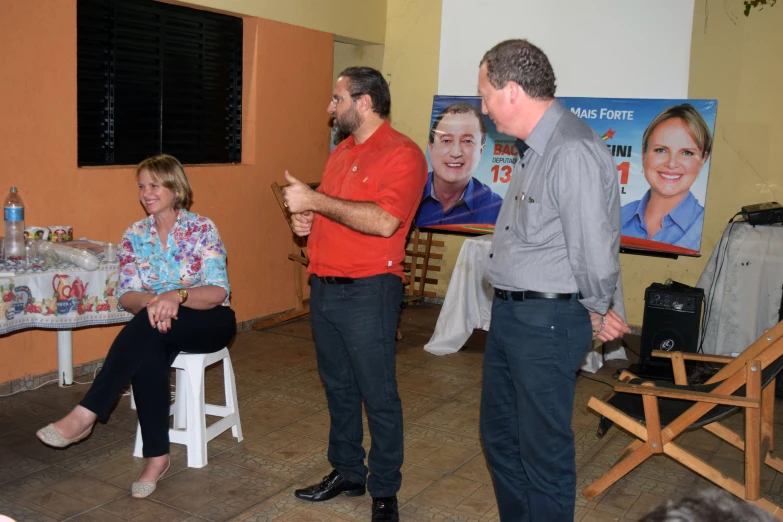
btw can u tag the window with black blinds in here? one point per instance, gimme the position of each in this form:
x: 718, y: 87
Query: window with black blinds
x: 157, y: 78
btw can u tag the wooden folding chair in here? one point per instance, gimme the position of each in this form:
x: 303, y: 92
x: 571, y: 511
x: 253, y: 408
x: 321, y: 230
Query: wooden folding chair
x: 300, y: 259
x: 657, y: 412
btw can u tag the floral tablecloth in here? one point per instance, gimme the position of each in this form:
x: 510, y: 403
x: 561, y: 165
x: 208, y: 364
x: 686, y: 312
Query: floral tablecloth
x: 62, y: 297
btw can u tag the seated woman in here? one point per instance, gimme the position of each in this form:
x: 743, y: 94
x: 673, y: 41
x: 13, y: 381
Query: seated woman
x: 173, y: 279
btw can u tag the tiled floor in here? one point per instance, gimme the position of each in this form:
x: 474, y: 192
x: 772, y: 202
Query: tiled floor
x: 285, y: 424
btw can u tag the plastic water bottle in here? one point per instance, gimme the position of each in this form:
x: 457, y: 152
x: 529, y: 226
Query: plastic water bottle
x: 13, y: 239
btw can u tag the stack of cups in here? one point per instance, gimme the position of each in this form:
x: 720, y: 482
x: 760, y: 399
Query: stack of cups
x: 80, y: 258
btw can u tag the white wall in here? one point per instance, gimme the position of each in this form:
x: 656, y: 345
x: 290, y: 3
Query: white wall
x: 598, y: 48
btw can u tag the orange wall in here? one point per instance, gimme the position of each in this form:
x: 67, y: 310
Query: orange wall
x: 287, y: 84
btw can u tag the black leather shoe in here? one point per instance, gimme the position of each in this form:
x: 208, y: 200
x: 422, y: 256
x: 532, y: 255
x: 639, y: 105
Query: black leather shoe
x: 330, y: 487
x: 384, y: 509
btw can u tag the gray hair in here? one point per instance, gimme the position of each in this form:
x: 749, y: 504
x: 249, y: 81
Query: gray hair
x: 523, y: 63
x: 707, y: 505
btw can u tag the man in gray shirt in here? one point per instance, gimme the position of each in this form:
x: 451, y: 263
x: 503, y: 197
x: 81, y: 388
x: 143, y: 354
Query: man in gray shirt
x: 554, y: 266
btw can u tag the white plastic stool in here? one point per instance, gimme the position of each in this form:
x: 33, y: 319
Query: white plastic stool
x: 190, y: 410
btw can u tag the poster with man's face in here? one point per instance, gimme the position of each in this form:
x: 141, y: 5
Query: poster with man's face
x: 662, y: 149
x: 462, y: 193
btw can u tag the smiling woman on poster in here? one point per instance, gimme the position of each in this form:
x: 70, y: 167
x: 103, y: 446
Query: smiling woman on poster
x: 675, y: 147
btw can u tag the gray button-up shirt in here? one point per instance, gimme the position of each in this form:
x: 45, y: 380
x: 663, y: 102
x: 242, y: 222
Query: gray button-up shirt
x: 559, y: 226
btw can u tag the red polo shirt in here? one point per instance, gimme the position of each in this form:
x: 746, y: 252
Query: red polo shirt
x: 389, y: 170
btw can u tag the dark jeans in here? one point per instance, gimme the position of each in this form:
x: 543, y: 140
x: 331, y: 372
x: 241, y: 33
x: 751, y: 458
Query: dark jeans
x: 354, y: 327
x: 142, y: 355
x: 534, y: 349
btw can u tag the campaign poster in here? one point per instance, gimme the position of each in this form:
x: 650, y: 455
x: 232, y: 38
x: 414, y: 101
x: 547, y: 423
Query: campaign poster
x: 469, y: 167
x: 662, y: 149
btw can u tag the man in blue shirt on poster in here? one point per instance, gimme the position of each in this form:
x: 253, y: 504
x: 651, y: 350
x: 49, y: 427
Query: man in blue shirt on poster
x: 452, y: 195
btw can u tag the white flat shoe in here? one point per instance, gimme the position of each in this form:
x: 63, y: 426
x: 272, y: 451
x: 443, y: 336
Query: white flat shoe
x: 51, y: 437
x: 145, y: 489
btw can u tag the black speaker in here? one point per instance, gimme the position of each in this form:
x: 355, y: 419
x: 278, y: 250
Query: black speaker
x: 672, y: 315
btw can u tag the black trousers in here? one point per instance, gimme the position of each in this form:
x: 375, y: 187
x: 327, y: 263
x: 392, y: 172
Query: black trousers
x: 354, y: 328
x: 142, y: 355
x: 534, y: 349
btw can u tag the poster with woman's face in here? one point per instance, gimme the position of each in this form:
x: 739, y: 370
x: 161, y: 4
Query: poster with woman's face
x: 662, y: 149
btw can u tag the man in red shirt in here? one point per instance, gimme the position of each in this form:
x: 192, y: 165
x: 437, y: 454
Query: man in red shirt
x: 358, y: 220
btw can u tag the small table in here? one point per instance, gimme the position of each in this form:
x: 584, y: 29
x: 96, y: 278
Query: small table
x: 60, y: 298
x: 468, y: 305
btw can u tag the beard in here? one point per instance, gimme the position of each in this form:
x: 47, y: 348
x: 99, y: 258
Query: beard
x: 337, y: 136
x: 347, y: 123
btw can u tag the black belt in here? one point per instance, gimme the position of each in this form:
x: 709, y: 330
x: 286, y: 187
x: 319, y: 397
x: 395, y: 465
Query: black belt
x: 529, y: 294
x: 331, y: 280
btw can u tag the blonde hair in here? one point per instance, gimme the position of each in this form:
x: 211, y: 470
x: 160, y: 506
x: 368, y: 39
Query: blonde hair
x: 168, y: 171
x: 693, y: 120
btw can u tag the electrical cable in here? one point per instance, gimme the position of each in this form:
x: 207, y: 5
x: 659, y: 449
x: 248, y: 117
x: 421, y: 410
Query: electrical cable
x: 580, y: 373
x: 632, y: 350
x: 52, y: 381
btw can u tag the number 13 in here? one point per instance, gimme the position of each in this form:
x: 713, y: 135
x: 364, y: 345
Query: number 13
x: 506, y: 170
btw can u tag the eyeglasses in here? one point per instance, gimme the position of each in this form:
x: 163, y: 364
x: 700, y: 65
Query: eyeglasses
x: 337, y: 99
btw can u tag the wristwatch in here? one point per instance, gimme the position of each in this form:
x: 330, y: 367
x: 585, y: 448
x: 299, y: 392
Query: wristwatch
x: 183, y: 295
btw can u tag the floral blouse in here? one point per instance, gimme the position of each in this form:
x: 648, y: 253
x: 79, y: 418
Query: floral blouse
x: 194, y: 256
